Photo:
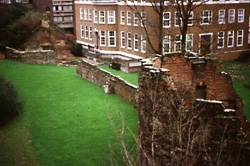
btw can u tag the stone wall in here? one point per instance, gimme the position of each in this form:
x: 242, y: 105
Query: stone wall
x: 34, y: 57
x: 111, y: 83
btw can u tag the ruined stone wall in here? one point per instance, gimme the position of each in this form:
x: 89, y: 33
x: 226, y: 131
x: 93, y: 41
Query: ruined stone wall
x: 114, y: 84
x: 34, y: 57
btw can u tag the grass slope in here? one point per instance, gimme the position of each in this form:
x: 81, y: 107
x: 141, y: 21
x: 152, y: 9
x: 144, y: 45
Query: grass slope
x: 242, y: 91
x: 66, y: 115
x: 132, y: 78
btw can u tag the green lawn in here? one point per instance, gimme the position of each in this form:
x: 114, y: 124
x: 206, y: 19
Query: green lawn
x: 64, y: 120
x: 132, y: 78
x: 237, y: 74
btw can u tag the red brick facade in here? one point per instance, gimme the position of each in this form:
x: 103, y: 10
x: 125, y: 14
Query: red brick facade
x: 217, y: 28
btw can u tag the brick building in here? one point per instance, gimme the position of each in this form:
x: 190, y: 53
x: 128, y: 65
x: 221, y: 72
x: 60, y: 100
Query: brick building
x: 61, y: 11
x: 114, y: 27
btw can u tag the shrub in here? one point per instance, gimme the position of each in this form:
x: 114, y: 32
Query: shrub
x: 10, y: 104
x: 247, y: 85
x: 244, y: 56
x: 18, y: 32
x: 77, y: 50
x: 12, y: 13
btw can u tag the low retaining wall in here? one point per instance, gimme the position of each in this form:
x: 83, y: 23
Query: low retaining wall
x: 111, y: 83
x: 34, y: 57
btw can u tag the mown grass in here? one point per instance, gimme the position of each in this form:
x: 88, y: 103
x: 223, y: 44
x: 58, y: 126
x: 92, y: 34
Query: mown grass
x: 238, y: 84
x: 131, y: 78
x: 65, y: 116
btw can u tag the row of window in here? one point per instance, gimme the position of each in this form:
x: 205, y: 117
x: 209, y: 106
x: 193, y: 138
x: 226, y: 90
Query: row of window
x: 231, y: 16
x: 126, y: 18
x: 86, y: 14
x: 63, y: 8
x: 177, y: 43
x: 17, y: 1
x: 230, y: 38
x: 166, y: 1
x: 65, y: 18
x: 126, y: 39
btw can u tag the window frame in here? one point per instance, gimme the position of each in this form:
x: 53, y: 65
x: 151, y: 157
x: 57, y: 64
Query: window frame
x: 166, y: 42
x: 136, y: 42
x: 136, y: 19
x: 221, y: 16
x: 129, y: 18
x: 112, y: 38
x: 81, y: 13
x: 82, y: 30
x: 85, y: 14
x: 191, y: 19
x: 102, y: 38
x: 177, y: 20
x: 102, y: 17
x: 143, y: 19
x: 241, y: 15
x: 221, y: 38
x: 204, y: 16
x: 241, y: 37
x: 188, y: 40
x: 143, y: 44
x: 129, y: 41
x: 123, y: 39
x: 86, y: 31
x: 95, y: 16
x: 231, y: 16
x: 122, y: 17
x: 177, y: 43
x: 111, y: 16
x: 90, y: 33
x: 89, y: 14
x: 166, y: 19
x: 230, y: 36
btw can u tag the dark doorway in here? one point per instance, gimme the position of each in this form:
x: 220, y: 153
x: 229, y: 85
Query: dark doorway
x: 205, y: 44
x: 201, y: 92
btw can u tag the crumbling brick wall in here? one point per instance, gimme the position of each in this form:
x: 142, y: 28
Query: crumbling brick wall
x: 176, y: 126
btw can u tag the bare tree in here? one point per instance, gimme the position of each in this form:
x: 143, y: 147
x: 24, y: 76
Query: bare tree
x: 174, y: 129
x: 153, y: 27
x: 128, y: 152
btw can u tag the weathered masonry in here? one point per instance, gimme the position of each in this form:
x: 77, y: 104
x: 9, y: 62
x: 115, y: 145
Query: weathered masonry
x: 189, y: 113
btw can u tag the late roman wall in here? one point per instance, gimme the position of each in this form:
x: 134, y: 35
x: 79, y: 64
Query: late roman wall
x: 110, y: 83
x: 34, y: 57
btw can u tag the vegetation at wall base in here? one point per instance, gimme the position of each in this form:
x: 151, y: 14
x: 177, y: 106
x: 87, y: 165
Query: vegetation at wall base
x: 10, y: 103
x: 18, y: 26
x: 77, y: 50
x: 244, y: 56
x: 65, y: 116
x: 11, y: 14
x: 247, y: 85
